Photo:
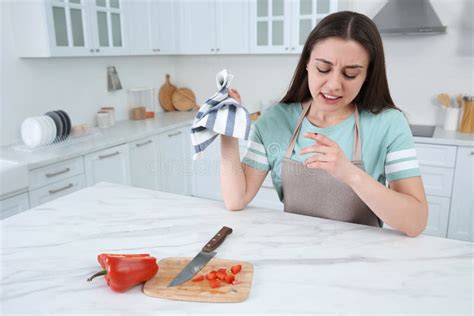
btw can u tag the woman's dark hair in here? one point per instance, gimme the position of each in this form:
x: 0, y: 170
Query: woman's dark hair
x: 374, y: 96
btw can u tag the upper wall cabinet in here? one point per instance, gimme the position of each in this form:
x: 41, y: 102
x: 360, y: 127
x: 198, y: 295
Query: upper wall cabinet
x: 57, y: 28
x: 305, y: 14
x: 153, y: 27
x: 282, y: 26
x: 214, y: 27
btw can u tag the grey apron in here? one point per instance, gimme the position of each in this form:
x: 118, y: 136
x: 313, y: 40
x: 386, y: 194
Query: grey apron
x: 314, y: 192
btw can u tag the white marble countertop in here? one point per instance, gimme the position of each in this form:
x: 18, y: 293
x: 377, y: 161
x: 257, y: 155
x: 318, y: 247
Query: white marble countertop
x: 444, y: 137
x: 122, y: 132
x: 302, y: 264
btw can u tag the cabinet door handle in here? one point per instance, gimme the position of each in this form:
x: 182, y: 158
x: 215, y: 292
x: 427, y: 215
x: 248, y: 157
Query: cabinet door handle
x: 472, y: 153
x: 109, y: 155
x: 70, y: 185
x: 91, y: 50
x: 144, y: 143
x: 97, y: 50
x: 50, y: 175
x: 174, y: 134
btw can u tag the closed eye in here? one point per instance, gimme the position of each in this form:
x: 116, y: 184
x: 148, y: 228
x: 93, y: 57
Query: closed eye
x: 327, y: 71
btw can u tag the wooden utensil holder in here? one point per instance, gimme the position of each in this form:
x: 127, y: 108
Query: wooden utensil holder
x: 467, y: 122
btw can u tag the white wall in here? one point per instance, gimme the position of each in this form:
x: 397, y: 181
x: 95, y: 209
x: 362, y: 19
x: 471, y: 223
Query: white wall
x: 419, y: 67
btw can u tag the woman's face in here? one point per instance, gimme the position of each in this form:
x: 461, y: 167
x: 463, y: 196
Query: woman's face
x: 337, y: 68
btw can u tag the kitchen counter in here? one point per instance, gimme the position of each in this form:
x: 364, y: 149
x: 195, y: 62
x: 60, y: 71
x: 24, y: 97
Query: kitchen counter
x: 126, y: 131
x: 122, y: 132
x: 444, y: 137
x: 302, y: 264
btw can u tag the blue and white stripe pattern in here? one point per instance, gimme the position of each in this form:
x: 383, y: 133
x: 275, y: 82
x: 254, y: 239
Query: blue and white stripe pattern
x: 400, y: 161
x: 220, y: 114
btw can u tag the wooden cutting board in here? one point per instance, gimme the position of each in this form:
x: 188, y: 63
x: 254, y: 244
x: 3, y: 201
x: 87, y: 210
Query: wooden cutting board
x: 199, y: 291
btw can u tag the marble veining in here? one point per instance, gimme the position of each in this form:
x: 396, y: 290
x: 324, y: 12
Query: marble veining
x: 302, y: 264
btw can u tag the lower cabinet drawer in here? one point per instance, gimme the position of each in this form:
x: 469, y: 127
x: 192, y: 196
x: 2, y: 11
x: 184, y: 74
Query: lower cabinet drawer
x: 438, y: 215
x: 58, y: 171
x: 437, y: 181
x: 56, y: 190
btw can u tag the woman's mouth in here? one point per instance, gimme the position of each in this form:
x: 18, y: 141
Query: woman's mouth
x: 329, y: 99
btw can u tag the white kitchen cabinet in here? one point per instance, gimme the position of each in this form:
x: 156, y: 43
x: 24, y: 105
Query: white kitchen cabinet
x: 282, y: 26
x: 206, y: 173
x: 214, y: 27
x: 14, y: 205
x: 270, y: 26
x: 437, y: 181
x: 144, y: 163
x: 152, y: 26
x: 437, y: 171
x: 55, y: 172
x: 232, y: 27
x: 56, y: 28
x: 207, y: 184
x: 108, y: 28
x: 110, y: 165
x: 461, y: 219
x: 55, y: 190
x: 438, y: 216
x: 174, y: 161
x: 305, y: 14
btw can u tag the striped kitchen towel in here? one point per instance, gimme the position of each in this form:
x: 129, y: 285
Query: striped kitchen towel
x: 220, y: 114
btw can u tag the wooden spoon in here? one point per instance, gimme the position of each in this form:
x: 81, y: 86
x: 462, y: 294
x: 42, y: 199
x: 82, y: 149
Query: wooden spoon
x: 444, y: 99
x: 459, y: 100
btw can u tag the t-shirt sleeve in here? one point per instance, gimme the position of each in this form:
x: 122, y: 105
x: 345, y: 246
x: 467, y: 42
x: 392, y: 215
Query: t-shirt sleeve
x: 256, y: 155
x: 401, y: 161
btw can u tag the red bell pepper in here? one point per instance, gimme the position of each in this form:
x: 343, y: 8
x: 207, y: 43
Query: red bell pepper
x: 102, y: 256
x: 125, y: 271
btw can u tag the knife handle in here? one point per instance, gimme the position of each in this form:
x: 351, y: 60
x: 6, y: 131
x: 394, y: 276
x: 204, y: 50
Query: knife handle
x: 217, y: 240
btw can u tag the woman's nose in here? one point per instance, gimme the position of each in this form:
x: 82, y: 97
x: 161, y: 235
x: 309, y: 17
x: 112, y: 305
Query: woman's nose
x: 334, y: 82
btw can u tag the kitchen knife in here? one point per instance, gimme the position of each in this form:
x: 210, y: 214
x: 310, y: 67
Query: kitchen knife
x: 202, y: 258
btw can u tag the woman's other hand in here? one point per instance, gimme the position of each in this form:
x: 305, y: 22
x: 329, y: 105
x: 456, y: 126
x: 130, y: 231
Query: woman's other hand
x: 235, y: 94
x: 330, y: 157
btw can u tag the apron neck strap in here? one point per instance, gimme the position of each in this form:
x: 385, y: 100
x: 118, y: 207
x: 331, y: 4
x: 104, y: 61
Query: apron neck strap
x: 356, y: 150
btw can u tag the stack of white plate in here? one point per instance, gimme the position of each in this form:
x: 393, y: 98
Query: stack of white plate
x: 38, y: 131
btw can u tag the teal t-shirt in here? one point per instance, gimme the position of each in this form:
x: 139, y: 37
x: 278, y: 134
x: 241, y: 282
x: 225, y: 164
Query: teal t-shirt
x: 388, y: 151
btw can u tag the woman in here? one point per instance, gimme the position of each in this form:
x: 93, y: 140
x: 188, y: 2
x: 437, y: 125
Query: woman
x: 335, y: 139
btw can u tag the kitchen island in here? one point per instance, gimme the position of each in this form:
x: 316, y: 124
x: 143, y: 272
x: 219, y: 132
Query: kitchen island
x: 301, y: 264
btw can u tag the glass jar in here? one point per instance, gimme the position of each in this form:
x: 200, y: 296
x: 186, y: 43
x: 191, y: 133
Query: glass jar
x: 140, y: 102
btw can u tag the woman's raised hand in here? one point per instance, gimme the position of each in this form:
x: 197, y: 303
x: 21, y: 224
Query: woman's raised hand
x: 330, y: 157
x: 235, y: 94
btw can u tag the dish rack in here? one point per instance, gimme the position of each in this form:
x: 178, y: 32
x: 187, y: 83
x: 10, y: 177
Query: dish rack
x: 59, y: 143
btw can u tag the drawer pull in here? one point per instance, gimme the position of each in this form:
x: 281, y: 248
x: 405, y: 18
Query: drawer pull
x: 70, y: 185
x: 472, y: 153
x: 174, y: 134
x: 50, y: 175
x: 109, y: 155
x: 145, y: 143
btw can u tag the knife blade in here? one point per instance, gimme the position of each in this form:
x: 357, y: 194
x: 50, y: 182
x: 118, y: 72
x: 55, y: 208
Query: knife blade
x: 202, y: 258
